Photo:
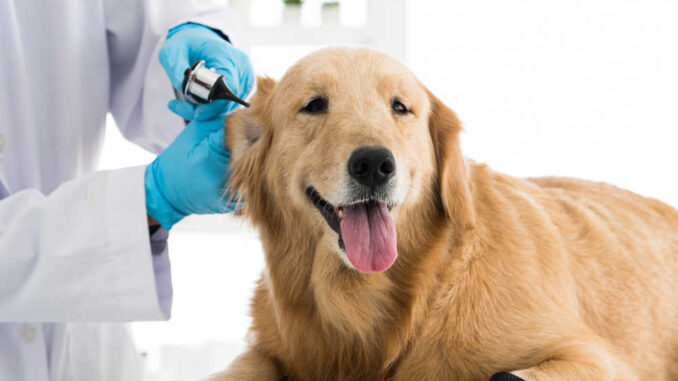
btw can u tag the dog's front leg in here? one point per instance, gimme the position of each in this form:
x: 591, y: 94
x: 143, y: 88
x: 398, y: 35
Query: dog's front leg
x: 250, y: 366
x: 577, y: 360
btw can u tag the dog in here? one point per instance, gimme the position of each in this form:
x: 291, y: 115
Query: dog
x: 389, y: 256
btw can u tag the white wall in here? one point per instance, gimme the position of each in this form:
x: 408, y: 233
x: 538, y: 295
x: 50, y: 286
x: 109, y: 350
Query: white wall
x: 574, y: 88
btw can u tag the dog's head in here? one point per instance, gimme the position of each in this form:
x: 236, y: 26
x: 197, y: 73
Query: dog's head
x: 344, y: 146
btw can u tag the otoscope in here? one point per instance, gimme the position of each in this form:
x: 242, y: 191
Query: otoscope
x: 204, y: 85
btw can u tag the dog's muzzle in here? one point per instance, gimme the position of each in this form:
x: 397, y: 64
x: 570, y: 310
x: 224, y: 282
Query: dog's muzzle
x: 362, y: 221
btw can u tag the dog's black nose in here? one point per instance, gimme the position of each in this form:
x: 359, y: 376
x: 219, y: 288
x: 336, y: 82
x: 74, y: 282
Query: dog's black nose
x: 371, y: 166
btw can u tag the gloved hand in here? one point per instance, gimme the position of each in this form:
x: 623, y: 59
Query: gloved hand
x: 187, y: 43
x: 189, y: 176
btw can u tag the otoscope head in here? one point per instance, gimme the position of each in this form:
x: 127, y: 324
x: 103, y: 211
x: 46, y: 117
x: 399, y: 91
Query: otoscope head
x: 221, y: 91
x: 203, y: 85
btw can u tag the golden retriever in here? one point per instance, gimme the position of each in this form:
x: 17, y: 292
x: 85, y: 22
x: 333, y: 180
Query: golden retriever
x: 391, y: 257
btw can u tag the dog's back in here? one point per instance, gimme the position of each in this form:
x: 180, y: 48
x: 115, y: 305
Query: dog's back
x: 624, y: 251
x: 615, y: 252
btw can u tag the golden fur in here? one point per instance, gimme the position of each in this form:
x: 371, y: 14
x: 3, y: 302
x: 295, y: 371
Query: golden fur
x: 551, y: 278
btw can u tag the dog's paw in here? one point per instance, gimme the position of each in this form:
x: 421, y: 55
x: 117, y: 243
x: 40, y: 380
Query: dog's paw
x: 505, y: 376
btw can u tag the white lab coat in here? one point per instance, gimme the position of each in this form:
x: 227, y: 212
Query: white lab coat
x: 75, y: 249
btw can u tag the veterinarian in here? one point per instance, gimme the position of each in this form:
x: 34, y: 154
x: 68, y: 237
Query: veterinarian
x: 80, y: 247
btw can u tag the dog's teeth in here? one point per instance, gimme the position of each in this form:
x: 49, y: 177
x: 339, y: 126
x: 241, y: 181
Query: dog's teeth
x: 340, y: 213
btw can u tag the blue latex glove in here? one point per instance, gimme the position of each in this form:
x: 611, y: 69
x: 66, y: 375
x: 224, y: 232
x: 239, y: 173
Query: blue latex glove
x: 188, y: 43
x: 189, y: 176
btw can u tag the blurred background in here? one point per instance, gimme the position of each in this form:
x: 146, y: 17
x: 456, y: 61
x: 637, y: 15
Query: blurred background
x: 570, y: 88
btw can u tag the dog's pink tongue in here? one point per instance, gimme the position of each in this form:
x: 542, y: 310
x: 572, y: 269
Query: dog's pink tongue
x: 369, y: 237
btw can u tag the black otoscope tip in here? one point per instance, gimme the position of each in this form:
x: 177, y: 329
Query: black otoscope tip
x: 221, y: 91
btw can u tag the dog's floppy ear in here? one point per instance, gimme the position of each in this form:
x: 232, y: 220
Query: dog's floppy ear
x: 248, y: 136
x: 244, y: 127
x: 452, y: 171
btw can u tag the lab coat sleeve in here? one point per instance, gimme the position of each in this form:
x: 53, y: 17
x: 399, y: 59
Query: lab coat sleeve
x: 140, y: 89
x: 83, y: 253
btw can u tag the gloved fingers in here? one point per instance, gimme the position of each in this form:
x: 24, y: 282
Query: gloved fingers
x: 218, y: 108
x: 189, y: 43
x: 176, y: 53
x: 243, y: 76
x: 174, y: 59
x: 189, y: 27
x: 217, y: 145
x: 247, y: 81
x: 214, y: 110
x: 195, y: 136
x: 184, y: 109
x: 245, y: 71
x: 202, y: 112
x: 220, y: 60
x: 206, y: 137
x: 233, y: 64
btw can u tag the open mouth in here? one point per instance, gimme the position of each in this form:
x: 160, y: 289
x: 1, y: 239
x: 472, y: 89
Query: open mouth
x: 366, y: 231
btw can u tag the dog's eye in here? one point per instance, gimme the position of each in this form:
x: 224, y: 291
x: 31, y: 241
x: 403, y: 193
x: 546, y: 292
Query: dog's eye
x: 398, y: 107
x: 317, y: 105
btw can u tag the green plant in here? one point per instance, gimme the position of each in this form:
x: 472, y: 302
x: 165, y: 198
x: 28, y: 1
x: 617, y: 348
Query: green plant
x: 293, y: 2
